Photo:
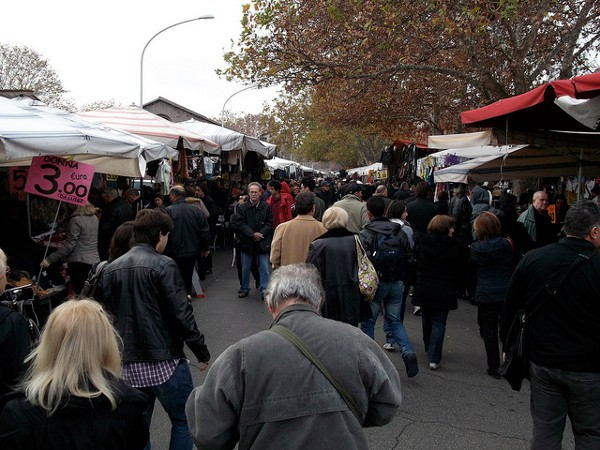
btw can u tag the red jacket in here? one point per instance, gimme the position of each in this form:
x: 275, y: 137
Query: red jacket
x: 285, y: 206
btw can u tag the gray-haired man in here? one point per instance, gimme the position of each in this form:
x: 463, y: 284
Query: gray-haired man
x: 264, y: 393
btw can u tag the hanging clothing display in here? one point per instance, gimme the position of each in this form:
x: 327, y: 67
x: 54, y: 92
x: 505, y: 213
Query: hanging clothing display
x: 164, y: 176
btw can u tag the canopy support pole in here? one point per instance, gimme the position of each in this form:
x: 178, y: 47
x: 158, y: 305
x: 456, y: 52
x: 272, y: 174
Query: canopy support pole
x: 579, y: 174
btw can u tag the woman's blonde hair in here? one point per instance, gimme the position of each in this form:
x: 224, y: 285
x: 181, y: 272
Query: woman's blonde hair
x: 85, y: 210
x: 335, y: 217
x: 77, y: 353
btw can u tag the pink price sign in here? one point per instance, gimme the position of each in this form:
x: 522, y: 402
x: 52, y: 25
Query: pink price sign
x: 60, y: 179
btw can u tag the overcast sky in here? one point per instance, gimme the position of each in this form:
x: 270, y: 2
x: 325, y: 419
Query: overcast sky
x: 95, y: 48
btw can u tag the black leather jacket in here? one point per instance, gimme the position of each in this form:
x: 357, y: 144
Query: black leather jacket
x: 145, y: 292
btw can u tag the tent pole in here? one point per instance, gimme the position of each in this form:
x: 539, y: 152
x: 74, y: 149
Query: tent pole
x: 579, y: 173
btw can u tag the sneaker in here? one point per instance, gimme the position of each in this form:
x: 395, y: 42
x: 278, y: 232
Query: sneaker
x: 434, y: 366
x: 412, y: 367
x: 243, y: 294
x: 494, y: 374
x: 389, y: 347
x: 417, y: 311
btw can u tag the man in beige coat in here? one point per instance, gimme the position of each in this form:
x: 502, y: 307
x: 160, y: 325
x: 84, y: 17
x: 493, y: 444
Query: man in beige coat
x: 293, y: 238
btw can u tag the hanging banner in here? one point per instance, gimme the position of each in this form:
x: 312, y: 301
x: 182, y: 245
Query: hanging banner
x: 59, y: 178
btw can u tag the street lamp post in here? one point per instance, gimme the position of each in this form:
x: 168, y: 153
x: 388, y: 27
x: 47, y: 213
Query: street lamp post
x: 229, y: 98
x: 150, y: 40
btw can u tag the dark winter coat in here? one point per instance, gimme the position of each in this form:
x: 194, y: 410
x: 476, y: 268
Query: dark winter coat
x: 565, y: 332
x: 420, y: 213
x: 190, y: 234
x: 461, y: 209
x: 480, y: 200
x: 438, y: 269
x: 15, y: 345
x: 116, y: 213
x: 334, y: 255
x: 495, y: 261
x: 80, y: 424
x: 249, y: 219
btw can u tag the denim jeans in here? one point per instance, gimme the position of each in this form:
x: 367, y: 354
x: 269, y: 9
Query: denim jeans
x: 389, y: 298
x: 263, y: 269
x: 434, y: 329
x: 172, y: 395
x: 488, y: 319
x: 557, y: 393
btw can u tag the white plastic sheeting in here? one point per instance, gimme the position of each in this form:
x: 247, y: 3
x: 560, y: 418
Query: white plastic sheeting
x: 230, y: 140
x: 29, y: 128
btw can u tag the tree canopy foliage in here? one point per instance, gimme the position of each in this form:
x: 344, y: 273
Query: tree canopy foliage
x: 22, y: 68
x: 408, y: 68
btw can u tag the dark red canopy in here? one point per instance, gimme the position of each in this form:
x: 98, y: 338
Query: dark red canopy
x: 536, y: 109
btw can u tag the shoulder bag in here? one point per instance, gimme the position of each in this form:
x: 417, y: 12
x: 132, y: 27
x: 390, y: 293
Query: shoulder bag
x: 367, y: 275
x: 515, y: 367
x: 297, y: 342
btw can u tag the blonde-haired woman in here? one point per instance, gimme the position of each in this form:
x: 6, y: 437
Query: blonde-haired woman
x: 438, y: 269
x: 72, y: 396
x: 80, y: 247
x: 334, y: 255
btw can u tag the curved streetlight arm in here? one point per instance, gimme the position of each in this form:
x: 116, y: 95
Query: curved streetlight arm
x: 150, y: 40
x: 229, y: 98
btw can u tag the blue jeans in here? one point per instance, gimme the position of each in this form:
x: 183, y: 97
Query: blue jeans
x: 172, y: 395
x: 389, y: 298
x: 557, y: 393
x: 434, y: 329
x: 263, y: 269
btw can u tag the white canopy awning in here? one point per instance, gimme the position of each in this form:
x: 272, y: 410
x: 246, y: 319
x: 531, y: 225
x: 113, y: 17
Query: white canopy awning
x: 452, y: 156
x: 462, y: 140
x: 144, y: 123
x: 364, y: 170
x: 29, y: 128
x: 230, y: 140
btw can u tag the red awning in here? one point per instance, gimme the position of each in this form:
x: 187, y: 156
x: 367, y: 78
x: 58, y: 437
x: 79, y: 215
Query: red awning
x: 536, y: 109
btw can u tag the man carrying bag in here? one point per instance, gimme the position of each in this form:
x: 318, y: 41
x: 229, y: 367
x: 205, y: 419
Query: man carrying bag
x: 562, y: 338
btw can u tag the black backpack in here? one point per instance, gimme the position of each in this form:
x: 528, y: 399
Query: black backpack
x: 389, y: 256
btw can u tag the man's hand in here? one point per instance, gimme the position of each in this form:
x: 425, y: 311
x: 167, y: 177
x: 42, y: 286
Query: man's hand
x: 258, y: 236
x: 203, y: 366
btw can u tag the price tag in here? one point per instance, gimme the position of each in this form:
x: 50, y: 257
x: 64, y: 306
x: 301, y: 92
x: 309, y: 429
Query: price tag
x: 60, y: 179
x: 552, y: 212
x: 17, y: 176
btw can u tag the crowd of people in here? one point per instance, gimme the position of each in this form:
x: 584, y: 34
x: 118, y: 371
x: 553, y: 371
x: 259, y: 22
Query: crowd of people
x: 301, y: 242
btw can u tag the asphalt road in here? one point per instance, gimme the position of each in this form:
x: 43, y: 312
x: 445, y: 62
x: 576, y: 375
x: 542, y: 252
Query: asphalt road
x: 456, y: 407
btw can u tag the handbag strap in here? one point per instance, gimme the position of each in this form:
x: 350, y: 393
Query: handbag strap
x: 551, y: 286
x: 294, y: 339
x: 360, y: 250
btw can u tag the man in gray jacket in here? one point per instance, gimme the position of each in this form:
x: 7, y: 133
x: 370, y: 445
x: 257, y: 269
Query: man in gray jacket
x: 264, y: 393
x: 352, y: 203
